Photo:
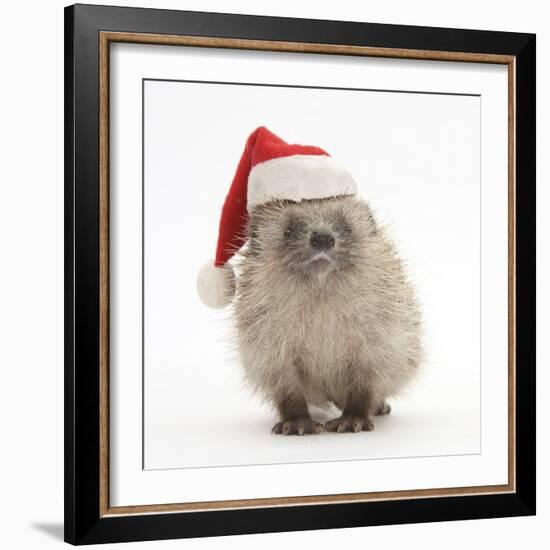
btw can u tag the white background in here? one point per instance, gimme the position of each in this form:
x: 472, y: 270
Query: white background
x: 415, y: 157
x: 31, y: 294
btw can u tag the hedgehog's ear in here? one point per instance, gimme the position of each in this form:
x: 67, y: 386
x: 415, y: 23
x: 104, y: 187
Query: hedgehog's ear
x: 370, y: 218
x: 253, y: 236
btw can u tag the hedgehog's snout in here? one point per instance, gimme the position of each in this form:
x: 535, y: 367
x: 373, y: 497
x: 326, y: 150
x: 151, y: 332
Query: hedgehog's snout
x: 321, y: 240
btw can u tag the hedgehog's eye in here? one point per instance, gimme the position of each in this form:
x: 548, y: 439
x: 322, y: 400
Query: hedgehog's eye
x: 290, y: 231
x: 293, y: 229
x: 342, y: 225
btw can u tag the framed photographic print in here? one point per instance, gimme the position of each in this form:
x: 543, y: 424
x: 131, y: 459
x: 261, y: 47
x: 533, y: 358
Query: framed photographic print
x: 300, y: 274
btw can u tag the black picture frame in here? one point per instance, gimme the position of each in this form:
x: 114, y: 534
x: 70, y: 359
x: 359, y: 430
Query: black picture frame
x: 84, y: 523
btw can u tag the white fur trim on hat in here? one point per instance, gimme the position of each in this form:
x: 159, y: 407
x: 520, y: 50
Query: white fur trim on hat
x: 298, y: 178
x: 216, y: 285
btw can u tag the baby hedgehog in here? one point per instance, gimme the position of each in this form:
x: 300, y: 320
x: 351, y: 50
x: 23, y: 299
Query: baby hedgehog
x: 324, y: 311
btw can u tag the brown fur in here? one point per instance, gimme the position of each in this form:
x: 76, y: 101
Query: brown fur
x: 345, y: 329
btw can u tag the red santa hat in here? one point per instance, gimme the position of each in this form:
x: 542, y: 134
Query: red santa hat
x: 270, y: 169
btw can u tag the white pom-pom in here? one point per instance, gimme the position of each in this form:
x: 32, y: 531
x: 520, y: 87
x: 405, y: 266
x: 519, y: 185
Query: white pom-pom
x: 216, y: 285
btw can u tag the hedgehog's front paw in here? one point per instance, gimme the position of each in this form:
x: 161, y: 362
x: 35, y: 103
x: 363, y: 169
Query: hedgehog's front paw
x: 349, y: 423
x: 297, y: 426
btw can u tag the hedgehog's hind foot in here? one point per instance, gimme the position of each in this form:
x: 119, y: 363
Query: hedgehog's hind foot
x: 382, y: 409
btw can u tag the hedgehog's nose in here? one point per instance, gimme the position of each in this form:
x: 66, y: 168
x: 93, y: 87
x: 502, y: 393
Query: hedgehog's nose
x: 321, y: 240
